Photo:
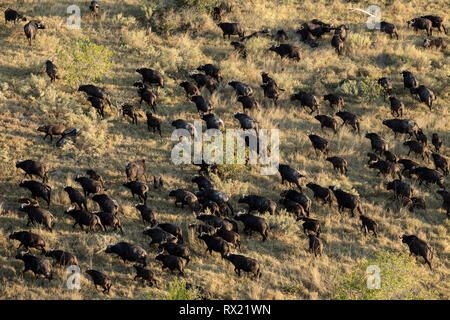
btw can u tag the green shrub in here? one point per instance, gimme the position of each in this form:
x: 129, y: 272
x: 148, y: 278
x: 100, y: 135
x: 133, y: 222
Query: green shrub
x: 176, y: 290
x: 83, y: 62
x: 400, y: 278
x: 369, y: 89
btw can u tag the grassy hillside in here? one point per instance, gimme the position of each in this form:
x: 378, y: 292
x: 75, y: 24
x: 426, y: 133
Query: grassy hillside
x: 185, y: 39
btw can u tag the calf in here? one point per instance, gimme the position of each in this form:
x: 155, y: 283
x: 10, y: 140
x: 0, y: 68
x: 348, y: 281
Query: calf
x: 106, y: 203
x: 183, y: 124
x: 109, y: 219
x: 327, y: 122
x: 203, y: 105
x: 185, y: 197
x: 215, y: 244
x: 336, y: 102
x: 28, y: 240
x: 204, y: 81
x: 171, y: 262
x: 248, y: 103
x: 212, y: 122
x: 229, y: 236
x: 244, y: 263
x: 52, y: 130
x: 98, y: 104
x: 154, y: 123
x: 306, y: 100
x: 96, y: 176
x: 408, y: 165
x: 62, y: 258
x: 51, y: 70
x: 350, y: 119
x: 13, y: 15
x: 440, y: 163
x: 291, y: 175
x: 438, y: 43
x: 347, y: 200
x: 212, y: 71
x: 240, y: 48
x: 146, y: 275
x: 388, y: 28
x: 95, y: 8
x: 378, y: 144
x: 258, y: 203
x: 425, y: 95
x: 172, y: 229
x: 386, y: 85
x: 159, y: 236
x: 246, y: 122
x: 288, y: 50
x: 436, y: 141
x: 146, y: 94
x: 190, y: 89
x: 241, y: 88
x: 298, y: 197
x: 203, y: 228
x: 100, y: 279
x: 418, y: 247
x: 397, y: 106
x: 77, y: 197
x: 135, y: 170
x: 446, y: 201
x: 401, y: 189
x: 202, y: 182
x: 147, y: 214
x: 230, y: 29
x: 254, y: 223
x: 128, y: 252
x: 271, y: 91
x: 137, y: 188
x: 409, y: 81
x: 32, y: 167
x: 31, y: 29
x: 151, y: 76
x: 37, y: 189
x: 386, y: 168
x: 177, y: 250
x: 38, y: 266
x: 319, y: 143
x: 417, y: 148
x: 84, y: 218
x: 293, y: 207
x: 390, y: 156
x: 338, y: 44
x: 368, y: 225
x: 320, y: 192
x: 339, y: 164
x: 89, y: 186
x: 36, y: 214
x: 310, y: 224
x: 315, y: 245
x: 131, y: 112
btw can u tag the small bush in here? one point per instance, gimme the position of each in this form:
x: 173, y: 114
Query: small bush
x: 369, y: 89
x: 176, y: 290
x: 83, y: 62
x: 400, y: 278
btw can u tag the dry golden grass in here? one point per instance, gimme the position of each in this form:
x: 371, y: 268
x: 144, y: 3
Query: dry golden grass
x: 28, y: 99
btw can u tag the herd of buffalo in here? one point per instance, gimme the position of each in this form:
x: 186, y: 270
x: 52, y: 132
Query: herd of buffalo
x: 217, y: 223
